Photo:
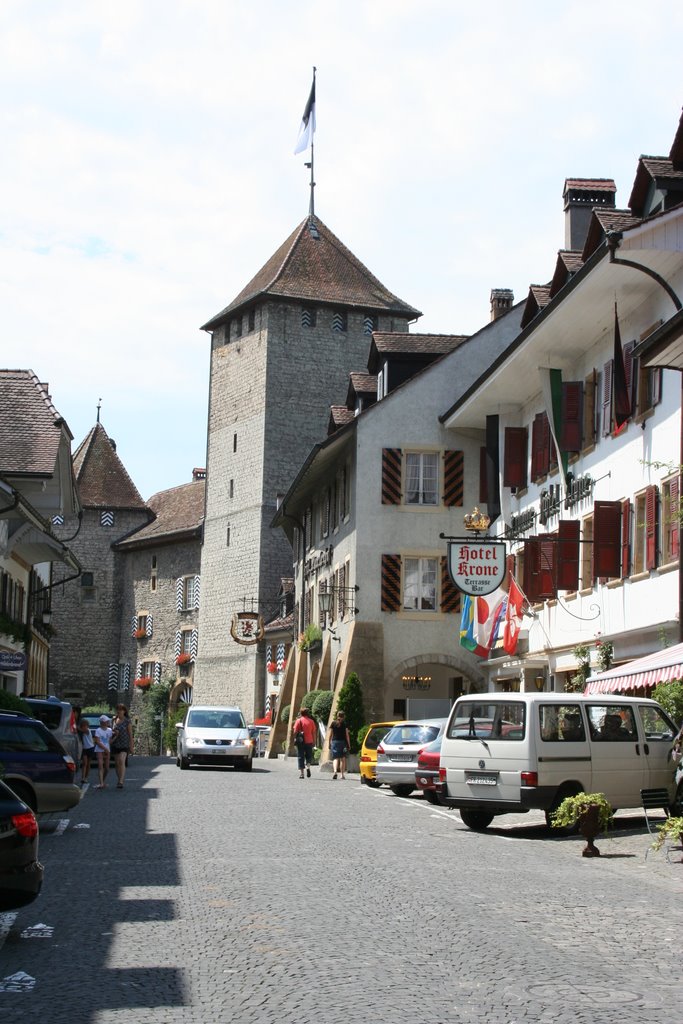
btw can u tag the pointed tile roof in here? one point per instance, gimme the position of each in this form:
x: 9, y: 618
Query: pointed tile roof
x: 31, y: 429
x: 312, y: 265
x: 179, y: 515
x: 102, y: 479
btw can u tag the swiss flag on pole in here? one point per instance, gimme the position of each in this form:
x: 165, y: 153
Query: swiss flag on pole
x: 513, y: 617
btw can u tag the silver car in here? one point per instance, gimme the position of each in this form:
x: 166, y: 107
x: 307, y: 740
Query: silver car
x: 211, y: 734
x: 398, y: 752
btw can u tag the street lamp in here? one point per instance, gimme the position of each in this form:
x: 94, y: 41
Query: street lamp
x: 46, y: 616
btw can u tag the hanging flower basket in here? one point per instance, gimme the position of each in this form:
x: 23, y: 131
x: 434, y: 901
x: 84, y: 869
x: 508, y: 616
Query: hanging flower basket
x: 183, y: 658
x: 144, y: 682
x: 140, y: 634
x: 272, y: 668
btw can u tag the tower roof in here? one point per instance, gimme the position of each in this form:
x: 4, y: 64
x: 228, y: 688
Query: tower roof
x: 102, y: 479
x: 314, y: 266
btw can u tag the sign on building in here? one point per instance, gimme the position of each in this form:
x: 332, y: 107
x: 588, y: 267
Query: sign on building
x: 477, y: 567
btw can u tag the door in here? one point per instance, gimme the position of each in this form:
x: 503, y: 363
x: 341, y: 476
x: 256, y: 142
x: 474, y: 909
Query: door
x: 619, y: 763
x: 658, y: 734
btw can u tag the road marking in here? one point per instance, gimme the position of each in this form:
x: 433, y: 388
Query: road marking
x: 82, y: 824
x: 38, y: 931
x: 61, y: 827
x: 19, y: 982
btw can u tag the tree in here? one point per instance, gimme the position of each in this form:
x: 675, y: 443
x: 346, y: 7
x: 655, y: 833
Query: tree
x: 351, y: 703
x: 670, y: 696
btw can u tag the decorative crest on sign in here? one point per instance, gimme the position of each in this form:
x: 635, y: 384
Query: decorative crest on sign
x: 476, y: 521
x: 247, y: 628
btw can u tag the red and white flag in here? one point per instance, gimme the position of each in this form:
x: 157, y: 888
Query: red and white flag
x: 513, y: 617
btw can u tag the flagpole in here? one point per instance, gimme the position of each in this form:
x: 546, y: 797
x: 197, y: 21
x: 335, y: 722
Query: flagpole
x: 311, y: 206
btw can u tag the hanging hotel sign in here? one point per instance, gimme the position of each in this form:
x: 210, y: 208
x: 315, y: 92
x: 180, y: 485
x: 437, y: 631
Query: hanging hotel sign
x: 477, y: 567
x: 247, y: 628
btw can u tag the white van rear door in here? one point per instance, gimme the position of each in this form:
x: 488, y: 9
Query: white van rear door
x: 658, y: 734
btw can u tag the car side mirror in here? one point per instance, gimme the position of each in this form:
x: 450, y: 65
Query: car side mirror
x: 179, y: 725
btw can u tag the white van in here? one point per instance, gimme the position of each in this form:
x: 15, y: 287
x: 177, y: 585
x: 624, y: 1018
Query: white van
x: 513, y: 752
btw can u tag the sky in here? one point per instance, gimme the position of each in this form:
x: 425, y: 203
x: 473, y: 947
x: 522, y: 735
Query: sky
x: 147, y: 171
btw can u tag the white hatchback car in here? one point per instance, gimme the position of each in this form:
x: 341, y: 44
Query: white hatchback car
x: 398, y: 752
x: 214, y: 735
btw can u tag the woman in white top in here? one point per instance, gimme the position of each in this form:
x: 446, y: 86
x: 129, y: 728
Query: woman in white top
x: 88, y: 751
x: 102, y: 746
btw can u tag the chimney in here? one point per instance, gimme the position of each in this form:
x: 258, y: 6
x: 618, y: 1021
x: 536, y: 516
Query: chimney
x: 112, y: 442
x: 198, y: 474
x: 580, y: 196
x: 501, y: 302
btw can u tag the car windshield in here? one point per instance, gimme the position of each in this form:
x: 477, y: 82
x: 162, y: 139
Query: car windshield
x: 403, y: 734
x: 501, y: 721
x: 215, y: 720
x: 374, y: 736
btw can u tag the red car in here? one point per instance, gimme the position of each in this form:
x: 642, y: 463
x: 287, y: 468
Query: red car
x: 427, y: 771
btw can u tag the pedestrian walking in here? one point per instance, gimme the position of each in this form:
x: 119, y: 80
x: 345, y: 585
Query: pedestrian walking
x: 340, y: 744
x: 121, y: 742
x: 103, y: 747
x: 87, y: 748
x: 305, y: 730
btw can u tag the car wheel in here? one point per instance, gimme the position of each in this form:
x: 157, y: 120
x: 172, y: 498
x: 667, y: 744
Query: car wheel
x: 184, y: 763
x: 476, y: 820
x: 247, y: 764
x: 403, y: 790
x: 372, y: 783
x: 24, y: 793
x: 431, y: 797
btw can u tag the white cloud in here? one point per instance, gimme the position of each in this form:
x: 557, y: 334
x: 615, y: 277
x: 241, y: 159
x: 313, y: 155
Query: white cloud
x: 148, y: 173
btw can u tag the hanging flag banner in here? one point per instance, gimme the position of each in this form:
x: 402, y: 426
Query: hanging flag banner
x: 477, y: 567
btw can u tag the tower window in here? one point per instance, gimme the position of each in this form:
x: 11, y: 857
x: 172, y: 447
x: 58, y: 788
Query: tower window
x: 308, y: 316
x: 339, y: 320
x: 369, y: 323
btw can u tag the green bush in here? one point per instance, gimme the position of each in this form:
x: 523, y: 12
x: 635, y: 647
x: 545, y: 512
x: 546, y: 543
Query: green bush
x: 322, y: 705
x: 309, y: 700
x: 284, y: 714
x: 351, y: 703
x: 10, y: 702
x: 312, y: 635
x: 148, y: 733
x: 170, y: 731
x: 99, y: 709
x: 670, y: 696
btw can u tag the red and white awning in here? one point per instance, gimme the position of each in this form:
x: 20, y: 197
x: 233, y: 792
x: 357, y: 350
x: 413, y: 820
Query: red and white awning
x: 643, y: 673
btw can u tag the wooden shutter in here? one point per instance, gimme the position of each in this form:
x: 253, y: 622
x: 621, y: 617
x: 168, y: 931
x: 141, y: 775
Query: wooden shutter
x: 625, y: 538
x: 179, y: 587
x: 629, y: 376
x: 539, y: 568
x: 453, y: 475
x: 391, y: 583
x: 540, y: 446
x: 483, y: 481
x: 607, y: 398
x: 113, y: 676
x: 568, y: 554
x: 655, y: 385
x: 571, y: 434
x: 673, y: 524
x: 606, y: 539
x: 391, y: 476
x: 177, y: 647
x: 450, y: 595
x: 651, y: 527
x: 149, y: 625
x: 515, y: 457
x: 133, y: 625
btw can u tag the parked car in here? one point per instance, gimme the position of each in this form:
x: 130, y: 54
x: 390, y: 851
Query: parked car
x: 35, y: 765
x: 427, y: 772
x: 368, y: 752
x: 58, y: 717
x: 21, y: 873
x: 214, y: 735
x: 398, y: 752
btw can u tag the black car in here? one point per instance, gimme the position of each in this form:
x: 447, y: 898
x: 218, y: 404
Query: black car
x: 21, y: 873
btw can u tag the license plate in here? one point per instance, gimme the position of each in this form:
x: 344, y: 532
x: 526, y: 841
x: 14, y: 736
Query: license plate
x: 482, y: 780
x: 401, y: 757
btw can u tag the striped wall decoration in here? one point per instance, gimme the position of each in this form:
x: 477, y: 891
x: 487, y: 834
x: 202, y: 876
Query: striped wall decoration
x: 450, y: 595
x: 113, y: 676
x: 126, y: 677
x: 178, y: 643
x: 138, y: 670
x: 179, y: 594
x: 281, y: 657
x: 148, y: 625
x: 194, y: 644
x: 195, y: 592
x: 106, y: 518
x: 157, y: 672
x: 453, y: 478
x: 391, y: 476
x: 391, y: 583
x: 133, y: 625
x: 269, y: 653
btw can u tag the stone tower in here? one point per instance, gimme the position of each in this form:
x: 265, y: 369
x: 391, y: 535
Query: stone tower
x: 281, y: 354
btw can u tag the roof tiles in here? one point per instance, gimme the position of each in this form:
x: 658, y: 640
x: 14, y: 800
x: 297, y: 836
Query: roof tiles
x: 179, y: 511
x: 31, y: 429
x: 102, y: 479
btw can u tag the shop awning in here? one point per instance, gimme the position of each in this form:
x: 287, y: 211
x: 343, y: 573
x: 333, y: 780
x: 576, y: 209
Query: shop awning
x: 643, y: 673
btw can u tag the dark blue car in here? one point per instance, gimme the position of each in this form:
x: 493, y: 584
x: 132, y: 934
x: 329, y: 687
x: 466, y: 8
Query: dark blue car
x: 21, y: 873
x: 35, y: 765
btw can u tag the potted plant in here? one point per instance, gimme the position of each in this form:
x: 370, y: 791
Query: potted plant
x: 591, y: 812
x: 671, y: 833
x: 311, y: 638
x: 183, y: 658
x: 271, y: 667
x: 140, y: 633
x: 144, y: 682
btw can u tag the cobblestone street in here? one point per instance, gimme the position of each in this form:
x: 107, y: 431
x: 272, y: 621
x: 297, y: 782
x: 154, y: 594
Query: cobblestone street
x: 216, y: 895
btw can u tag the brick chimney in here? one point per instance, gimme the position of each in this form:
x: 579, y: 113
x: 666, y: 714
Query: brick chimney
x: 501, y: 301
x: 580, y: 196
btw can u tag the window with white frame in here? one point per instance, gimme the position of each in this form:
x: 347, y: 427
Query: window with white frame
x: 422, y: 476
x: 186, y: 641
x: 419, y: 584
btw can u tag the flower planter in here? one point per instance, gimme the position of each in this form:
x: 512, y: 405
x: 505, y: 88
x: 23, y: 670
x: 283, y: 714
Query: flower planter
x: 589, y: 827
